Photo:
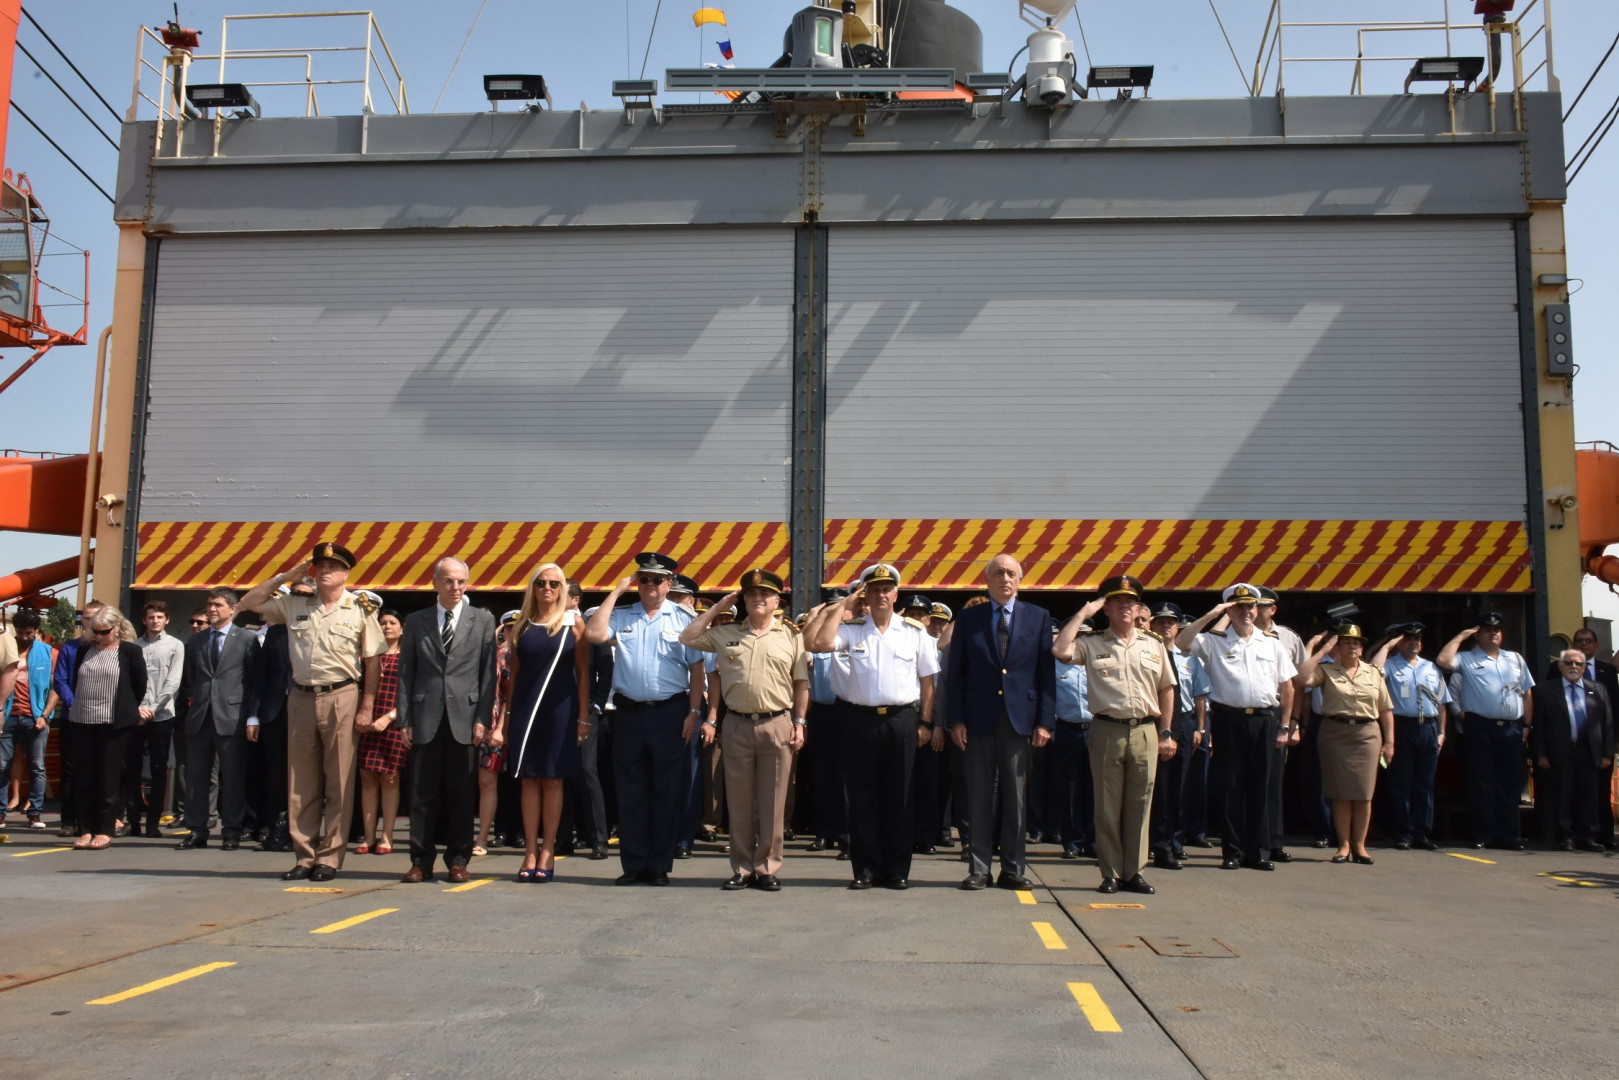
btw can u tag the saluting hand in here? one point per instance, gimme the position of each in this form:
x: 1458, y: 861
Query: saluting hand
x: 729, y: 598
x: 301, y: 571
x: 623, y: 586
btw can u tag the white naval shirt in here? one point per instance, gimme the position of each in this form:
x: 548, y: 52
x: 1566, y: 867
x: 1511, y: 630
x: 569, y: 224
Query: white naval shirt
x: 1244, y: 674
x: 872, y: 668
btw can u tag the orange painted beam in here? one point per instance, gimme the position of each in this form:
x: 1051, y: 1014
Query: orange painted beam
x: 43, y: 495
x: 26, y: 582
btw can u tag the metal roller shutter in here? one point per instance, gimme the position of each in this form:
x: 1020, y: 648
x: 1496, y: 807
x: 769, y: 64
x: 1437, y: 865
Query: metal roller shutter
x: 1300, y: 369
x: 546, y: 375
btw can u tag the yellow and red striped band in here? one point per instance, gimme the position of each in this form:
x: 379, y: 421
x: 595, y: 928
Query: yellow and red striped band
x: 1075, y: 555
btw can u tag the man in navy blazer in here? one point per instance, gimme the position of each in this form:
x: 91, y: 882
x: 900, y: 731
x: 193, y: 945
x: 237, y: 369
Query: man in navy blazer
x: 1000, y: 700
x: 1572, y: 741
x: 219, y: 687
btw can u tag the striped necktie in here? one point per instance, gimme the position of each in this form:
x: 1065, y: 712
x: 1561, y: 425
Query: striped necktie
x: 448, y: 636
x: 1003, y: 633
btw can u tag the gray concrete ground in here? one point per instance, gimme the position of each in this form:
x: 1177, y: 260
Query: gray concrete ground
x: 1425, y: 965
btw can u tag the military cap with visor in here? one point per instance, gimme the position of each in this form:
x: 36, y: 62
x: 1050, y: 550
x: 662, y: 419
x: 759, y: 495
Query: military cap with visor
x: 1166, y: 610
x: 1122, y: 585
x: 1240, y: 593
x: 684, y: 584
x: 331, y: 551
x: 917, y: 602
x: 651, y: 562
x: 880, y: 574
x: 1491, y: 620
x: 759, y: 578
x: 940, y: 611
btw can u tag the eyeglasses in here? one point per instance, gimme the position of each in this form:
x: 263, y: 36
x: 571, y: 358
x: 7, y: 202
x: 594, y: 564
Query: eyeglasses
x: 199, y: 622
x: 1572, y: 663
x: 102, y: 632
x: 651, y: 579
x: 544, y: 584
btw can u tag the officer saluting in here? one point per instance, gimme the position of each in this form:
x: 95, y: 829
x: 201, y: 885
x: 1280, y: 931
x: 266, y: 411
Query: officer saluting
x: 334, y: 642
x: 882, y: 672
x: 1492, y: 687
x: 1131, y: 687
x: 1419, y: 694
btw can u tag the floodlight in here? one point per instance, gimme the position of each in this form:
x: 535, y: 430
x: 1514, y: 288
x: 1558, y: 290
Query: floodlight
x: 516, y: 88
x: 1445, y: 69
x: 222, y: 96
x: 984, y: 81
x: 635, y: 88
x: 1122, y: 77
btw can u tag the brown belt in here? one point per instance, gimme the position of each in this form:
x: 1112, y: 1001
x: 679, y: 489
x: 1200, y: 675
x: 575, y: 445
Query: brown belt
x: 1351, y: 719
x: 1130, y: 721
x: 755, y: 715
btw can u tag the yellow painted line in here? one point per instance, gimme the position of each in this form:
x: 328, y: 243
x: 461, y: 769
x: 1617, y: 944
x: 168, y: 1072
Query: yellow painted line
x: 332, y: 928
x: 1570, y: 880
x: 1049, y: 936
x: 42, y: 851
x: 470, y: 885
x: 1117, y: 907
x: 159, y: 984
x: 1094, y: 1008
x: 1470, y: 858
x: 1024, y: 896
x: 310, y: 888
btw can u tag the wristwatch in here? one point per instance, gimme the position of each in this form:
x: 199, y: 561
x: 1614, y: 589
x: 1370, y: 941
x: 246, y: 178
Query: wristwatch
x: 799, y: 721
x: 1165, y: 733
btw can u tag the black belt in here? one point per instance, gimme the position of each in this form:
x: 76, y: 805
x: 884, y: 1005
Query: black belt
x: 733, y: 715
x: 1081, y: 724
x: 1245, y: 710
x: 1350, y: 719
x: 880, y: 710
x: 1490, y: 720
x: 324, y: 689
x: 1133, y: 721
x: 647, y: 704
x: 1415, y: 719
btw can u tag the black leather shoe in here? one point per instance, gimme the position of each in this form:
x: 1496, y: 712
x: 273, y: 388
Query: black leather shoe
x: 198, y: 838
x: 737, y: 882
x: 1070, y: 852
x: 1364, y: 860
x: 598, y: 853
x: 258, y: 836
x: 1425, y: 845
x: 630, y: 877
x: 153, y: 832
x: 297, y: 873
x: 1322, y: 842
x: 1402, y: 845
x: 898, y: 884
x: 230, y: 843
x: 974, y: 882
x: 1164, y: 861
x: 861, y: 882
x: 1229, y: 864
x: 707, y: 834
x: 818, y: 844
x: 843, y: 855
x: 120, y: 831
x: 657, y: 879
x: 1565, y: 845
x: 1590, y: 845
x: 1009, y: 880
x: 1278, y: 855
x: 925, y: 849
x: 322, y: 872
x: 787, y: 835
x: 1511, y: 845
x: 1480, y: 847
x: 1260, y: 864
x: 682, y: 851
x: 1340, y: 858
x: 766, y: 883
x: 1109, y: 886
x: 568, y: 849
x: 1178, y: 853
x: 1138, y: 884
x: 1199, y: 842
x: 1088, y: 851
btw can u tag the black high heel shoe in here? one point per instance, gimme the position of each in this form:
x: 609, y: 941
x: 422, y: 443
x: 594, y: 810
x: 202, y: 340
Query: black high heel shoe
x: 1340, y: 858
x: 1364, y: 860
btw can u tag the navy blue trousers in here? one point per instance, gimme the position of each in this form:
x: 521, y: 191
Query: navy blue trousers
x: 1074, y: 815
x: 1493, y: 752
x: 1410, y: 779
x: 650, y: 761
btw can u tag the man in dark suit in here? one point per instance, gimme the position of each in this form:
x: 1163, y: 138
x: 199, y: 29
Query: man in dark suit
x: 275, y: 683
x: 1572, y: 744
x: 220, y: 686
x: 446, y: 697
x: 1606, y: 676
x: 1001, y: 702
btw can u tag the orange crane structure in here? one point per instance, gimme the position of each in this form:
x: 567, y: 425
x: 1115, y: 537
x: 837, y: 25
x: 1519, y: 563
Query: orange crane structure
x: 39, y: 493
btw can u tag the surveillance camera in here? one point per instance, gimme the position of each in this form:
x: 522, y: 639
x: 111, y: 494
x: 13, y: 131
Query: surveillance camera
x: 1052, y: 89
x: 109, y: 501
x: 1569, y: 502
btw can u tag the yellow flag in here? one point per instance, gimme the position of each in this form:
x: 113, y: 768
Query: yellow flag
x: 704, y: 16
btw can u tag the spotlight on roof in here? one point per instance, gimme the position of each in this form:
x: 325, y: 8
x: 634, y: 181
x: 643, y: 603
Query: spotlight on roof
x: 1445, y: 69
x: 223, y: 96
x: 529, y: 88
x: 1123, y: 78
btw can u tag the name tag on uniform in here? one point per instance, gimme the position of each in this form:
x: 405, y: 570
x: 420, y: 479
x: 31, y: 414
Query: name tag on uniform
x: 1104, y: 656
x: 859, y: 648
x: 1151, y: 658
x: 301, y: 618
x: 1231, y: 656
x: 670, y: 635
x: 627, y: 631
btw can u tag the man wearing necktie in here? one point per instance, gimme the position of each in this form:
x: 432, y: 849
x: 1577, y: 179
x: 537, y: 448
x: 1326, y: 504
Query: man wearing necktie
x: 219, y: 688
x: 1572, y: 741
x: 1000, y: 701
x: 1606, y: 676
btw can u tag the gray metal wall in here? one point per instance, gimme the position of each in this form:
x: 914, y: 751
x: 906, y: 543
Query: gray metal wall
x: 554, y: 375
x: 1288, y: 369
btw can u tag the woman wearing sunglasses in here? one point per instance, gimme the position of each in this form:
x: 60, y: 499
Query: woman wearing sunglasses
x: 109, y: 682
x: 545, y: 718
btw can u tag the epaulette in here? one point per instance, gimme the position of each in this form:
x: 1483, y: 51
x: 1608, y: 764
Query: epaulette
x: 367, y: 605
x: 1152, y: 634
x: 861, y: 621
x: 916, y: 623
x: 1272, y: 633
x: 1088, y: 631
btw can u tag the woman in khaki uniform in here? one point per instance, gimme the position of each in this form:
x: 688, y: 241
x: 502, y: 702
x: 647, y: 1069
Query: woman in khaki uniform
x: 1357, y: 726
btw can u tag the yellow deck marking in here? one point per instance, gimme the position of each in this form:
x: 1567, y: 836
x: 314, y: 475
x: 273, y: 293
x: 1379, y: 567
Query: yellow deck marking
x: 310, y: 888
x: 1049, y: 936
x: 159, y: 984
x: 332, y: 928
x: 470, y: 885
x: 1024, y: 896
x: 41, y: 851
x: 1570, y: 880
x: 1116, y: 907
x: 1470, y: 858
x: 1094, y: 1008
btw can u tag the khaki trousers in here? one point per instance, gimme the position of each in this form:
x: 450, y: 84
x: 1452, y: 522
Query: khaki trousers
x: 757, y: 764
x: 1124, y: 764
x: 321, y: 757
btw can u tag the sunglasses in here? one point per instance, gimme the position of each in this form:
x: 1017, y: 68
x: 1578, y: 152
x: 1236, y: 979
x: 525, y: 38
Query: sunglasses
x: 544, y: 584
x: 102, y: 632
x: 652, y: 579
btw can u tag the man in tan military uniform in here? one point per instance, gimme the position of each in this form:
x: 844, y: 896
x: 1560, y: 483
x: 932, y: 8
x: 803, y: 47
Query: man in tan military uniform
x: 334, y: 642
x: 1130, y: 685
x: 764, y: 678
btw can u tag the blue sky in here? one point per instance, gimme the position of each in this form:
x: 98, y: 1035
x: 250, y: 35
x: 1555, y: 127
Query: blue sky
x: 582, y: 47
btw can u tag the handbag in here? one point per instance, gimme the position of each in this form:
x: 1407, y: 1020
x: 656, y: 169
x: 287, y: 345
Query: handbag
x: 491, y: 757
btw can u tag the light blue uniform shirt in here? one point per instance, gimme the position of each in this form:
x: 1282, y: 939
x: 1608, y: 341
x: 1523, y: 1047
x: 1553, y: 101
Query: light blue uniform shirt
x: 821, y: 679
x: 1491, y: 688
x: 1417, y: 689
x: 1072, y: 684
x: 1193, y: 679
x: 649, y: 663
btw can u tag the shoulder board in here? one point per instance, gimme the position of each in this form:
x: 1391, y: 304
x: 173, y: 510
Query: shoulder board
x: 1152, y: 634
x: 916, y: 623
x: 1086, y: 631
x: 1272, y: 633
x: 367, y: 605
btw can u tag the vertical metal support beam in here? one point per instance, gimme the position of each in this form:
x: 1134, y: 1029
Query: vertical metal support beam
x: 137, y: 437
x: 807, y: 504
x: 1529, y: 365
x: 131, y: 322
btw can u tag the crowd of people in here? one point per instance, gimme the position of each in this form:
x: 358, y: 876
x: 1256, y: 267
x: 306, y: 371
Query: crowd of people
x: 1127, y: 734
